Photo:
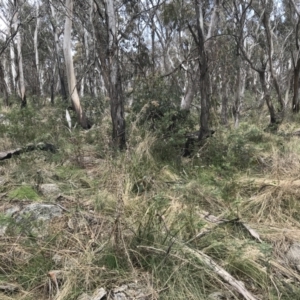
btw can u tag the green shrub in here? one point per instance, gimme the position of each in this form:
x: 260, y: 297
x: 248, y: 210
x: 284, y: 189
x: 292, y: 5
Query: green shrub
x: 23, y: 192
x: 156, y: 106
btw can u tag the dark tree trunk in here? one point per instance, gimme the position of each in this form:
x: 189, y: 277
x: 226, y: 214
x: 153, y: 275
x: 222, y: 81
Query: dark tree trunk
x: 296, y: 87
x: 3, y: 86
x: 63, y: 91
x: 205, y: 105
x: 117, y: 113
x: 266, y: 23
x: 273, y: 118
x: 204, y: 78
x: 224, y: 109
x: 114, y: 81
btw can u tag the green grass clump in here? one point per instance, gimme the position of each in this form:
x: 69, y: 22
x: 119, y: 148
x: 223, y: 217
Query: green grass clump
x: 24, y: 192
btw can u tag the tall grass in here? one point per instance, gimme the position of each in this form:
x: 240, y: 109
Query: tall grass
x: 130, y: 216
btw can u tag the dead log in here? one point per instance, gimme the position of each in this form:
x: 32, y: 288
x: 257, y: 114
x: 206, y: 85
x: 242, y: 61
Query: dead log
x: 30, y: 147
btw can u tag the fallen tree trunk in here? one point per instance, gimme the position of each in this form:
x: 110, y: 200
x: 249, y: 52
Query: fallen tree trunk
x: 264, y: 182
x: 30, y: 147
x: 212, y: 265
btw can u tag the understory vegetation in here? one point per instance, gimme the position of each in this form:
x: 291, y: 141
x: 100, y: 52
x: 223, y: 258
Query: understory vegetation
x: 147, y: 214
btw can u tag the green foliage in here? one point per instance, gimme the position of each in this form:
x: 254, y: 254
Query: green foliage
x: 153, y: 98
x: 5, y: 220
x: 236, y: 149
x: 30, y: 125
x: 24, y: 192
x: 23, y: 125
x: 110, y: 261
x: 94, y: 107
x: 175, y: 15
x: 156, y: 108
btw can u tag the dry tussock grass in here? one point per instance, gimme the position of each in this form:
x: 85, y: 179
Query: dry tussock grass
x: 176, y: 202
x: 6, y: 144
x: 273, y: 207
x: 77, y: 243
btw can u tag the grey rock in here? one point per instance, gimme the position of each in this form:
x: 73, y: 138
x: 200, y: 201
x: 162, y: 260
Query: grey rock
x: 39, y: 211
x: 49, y: 189
x: 99, y: 294
x: 121, y: 288
x: 120, y: 296
x: 8, y: 213
x: 84, y: 296
x: 293, y: 255
x: 34, y: 218
x: 12, y: 210
x: 217, y: 296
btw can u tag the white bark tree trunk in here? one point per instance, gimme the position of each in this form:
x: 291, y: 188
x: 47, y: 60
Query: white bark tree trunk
x: 13, y: 67
x: 70, y: 67
x: 61, y: 83
x: 22, y: 91
x: 35, y: 41
x: 189, y: 91
x: 6, y: 74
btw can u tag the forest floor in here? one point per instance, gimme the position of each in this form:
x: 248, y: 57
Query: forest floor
x: 147, y: 223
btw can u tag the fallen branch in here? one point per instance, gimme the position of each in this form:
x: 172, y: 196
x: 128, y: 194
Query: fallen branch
x: 30, y: 147
x: 237, y: 285
x: 263, y: 182
x: 211, y: 264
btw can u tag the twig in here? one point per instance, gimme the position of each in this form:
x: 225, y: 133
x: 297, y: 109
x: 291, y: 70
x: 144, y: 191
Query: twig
x: 211, y: 264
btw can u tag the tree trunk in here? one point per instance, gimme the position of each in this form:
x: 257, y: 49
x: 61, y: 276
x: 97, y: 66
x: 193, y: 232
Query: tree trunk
x: 22, y: 91
x: 269, y: 36
x: 83, y: 121
x: 204, y: 74
x: 53, y: 21
x: 35, y: 40
x: 3, y: 85
x: 115, y: 84
x: 267, y: 97
x: 6, y: 71
x: 224, y: 120
x: 14, y: 83
x: 237, y: 102
x: 296, y: 87
x: 205, y: 105
x: 189, y: 92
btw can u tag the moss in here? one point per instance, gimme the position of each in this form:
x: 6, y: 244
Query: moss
x: 23, y: 192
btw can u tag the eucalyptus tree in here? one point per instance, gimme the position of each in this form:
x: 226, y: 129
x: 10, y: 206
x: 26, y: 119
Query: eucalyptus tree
x: 240, y: 11
x: 17, y: 5
x: 203, y: 38
x: 269, y: 34
x: 259, y: 52
x: 39, y: 70
x: 178, y: 48
x: 294, y: 18
x: 14, y: 21
x: 67, y: 47
x: 8, y: 80
x: 55, y: 18
x: 106, y: 24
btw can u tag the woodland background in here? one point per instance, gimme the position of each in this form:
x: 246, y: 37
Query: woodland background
x: 150, y: 149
